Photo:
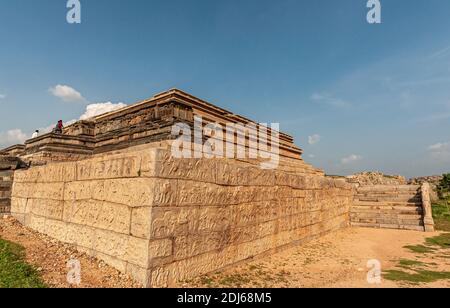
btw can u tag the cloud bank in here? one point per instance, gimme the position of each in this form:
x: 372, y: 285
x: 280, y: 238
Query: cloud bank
x: 351, y: 159
x: 314, y: 139
x: 11, y: 137
x: 440, y: 151
x: 97, y: 109
x: 330, y: 100
x: 66, y: 93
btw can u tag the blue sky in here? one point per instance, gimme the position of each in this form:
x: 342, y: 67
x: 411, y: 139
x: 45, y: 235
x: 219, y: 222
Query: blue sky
x: 367, y: 97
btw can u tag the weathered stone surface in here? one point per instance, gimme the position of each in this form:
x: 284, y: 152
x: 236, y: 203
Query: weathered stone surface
x: 124, y: 247
x: 80, y: 235
x: 141, y: 219
x: 136, y: 192
x: 38, y: 190
x: 119, y: 166
x: 160, y: 248
x: 19, y: 205
x: 98, y: 214
x: 48, y: 208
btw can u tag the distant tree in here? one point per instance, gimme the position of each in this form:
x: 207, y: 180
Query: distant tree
x: 444, y: 185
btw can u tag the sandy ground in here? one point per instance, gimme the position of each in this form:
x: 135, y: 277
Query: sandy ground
x: 337, y: 260
x: 50, y: 257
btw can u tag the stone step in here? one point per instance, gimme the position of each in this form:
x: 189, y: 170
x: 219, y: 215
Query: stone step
x: 5, y: 202
x: 5, y: 184
x: 5, y: 209
x: 387, y: 226
x: 389, y: 188
x: 387, y: 209
x: 406, y: 199
x: 5, y: 194
x: 379, y: 215
x: 386, y: 216
x: 394, y: 193
x: 402, y: 222
x: 386, y: 221
x: 388, y: 192
x: 387, y: 203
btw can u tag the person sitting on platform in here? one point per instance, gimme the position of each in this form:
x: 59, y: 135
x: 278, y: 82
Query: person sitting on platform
x: 35, y: 134
x: 59, y: 128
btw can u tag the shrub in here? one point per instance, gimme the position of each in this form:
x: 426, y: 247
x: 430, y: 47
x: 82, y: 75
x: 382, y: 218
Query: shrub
x: 444, y: 186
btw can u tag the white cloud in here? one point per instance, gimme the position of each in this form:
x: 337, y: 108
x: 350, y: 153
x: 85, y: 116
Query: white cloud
x: 11, y: 137
x: 94, y: 110
x: 330, y: 100
x: 439, y: 146
x: 351, y: 159
x: 312, y: 156
x: 441, y: 52
x: 16, y: 136
x: 66, y: 93
x: 314, y: 139
x: 2, y: 96
x: 440, y: 151
x: 435, y: 117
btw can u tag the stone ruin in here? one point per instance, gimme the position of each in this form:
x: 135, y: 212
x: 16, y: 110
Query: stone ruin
x: 8, y: 164
x: 376, y: 178
x: 111, y: 187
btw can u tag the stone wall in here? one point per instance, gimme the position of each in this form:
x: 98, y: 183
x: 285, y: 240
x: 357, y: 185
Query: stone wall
x: 164, y: 220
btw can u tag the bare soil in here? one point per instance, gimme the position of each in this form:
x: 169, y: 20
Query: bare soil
x: 50, y: 258
x: 338, y: 260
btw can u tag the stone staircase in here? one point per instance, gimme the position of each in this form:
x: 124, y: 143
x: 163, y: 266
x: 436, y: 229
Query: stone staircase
x: 5, y: 191
x: 393, y: 207
x: 8, y: 165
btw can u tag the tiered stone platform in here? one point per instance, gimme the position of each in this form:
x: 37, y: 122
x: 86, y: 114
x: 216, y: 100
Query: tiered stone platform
x: 142, y: 123
x: 111, y: 187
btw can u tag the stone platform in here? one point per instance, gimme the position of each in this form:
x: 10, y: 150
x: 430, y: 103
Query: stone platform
x: 164, y: 220
x: 112, y: 187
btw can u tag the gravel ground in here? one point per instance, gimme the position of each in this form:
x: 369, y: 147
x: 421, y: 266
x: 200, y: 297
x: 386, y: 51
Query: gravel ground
x: 50, y: 258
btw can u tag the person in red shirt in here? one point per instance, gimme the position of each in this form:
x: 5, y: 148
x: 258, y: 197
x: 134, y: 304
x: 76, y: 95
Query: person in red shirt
x: 59, y: 127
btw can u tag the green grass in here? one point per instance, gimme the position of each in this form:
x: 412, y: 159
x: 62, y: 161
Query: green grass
x: 443, y: 240
x: 415, y: 272
x: 441, y: 215
x: 206, y: 280
x: 14, y: 271
x: 410, y: 263
x: 419, y: 276
x: 420, y: 249
x: 236, y: 280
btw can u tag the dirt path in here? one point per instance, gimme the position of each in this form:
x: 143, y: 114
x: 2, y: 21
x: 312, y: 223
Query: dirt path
x: 336, y: 260
x: 50, y: 257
